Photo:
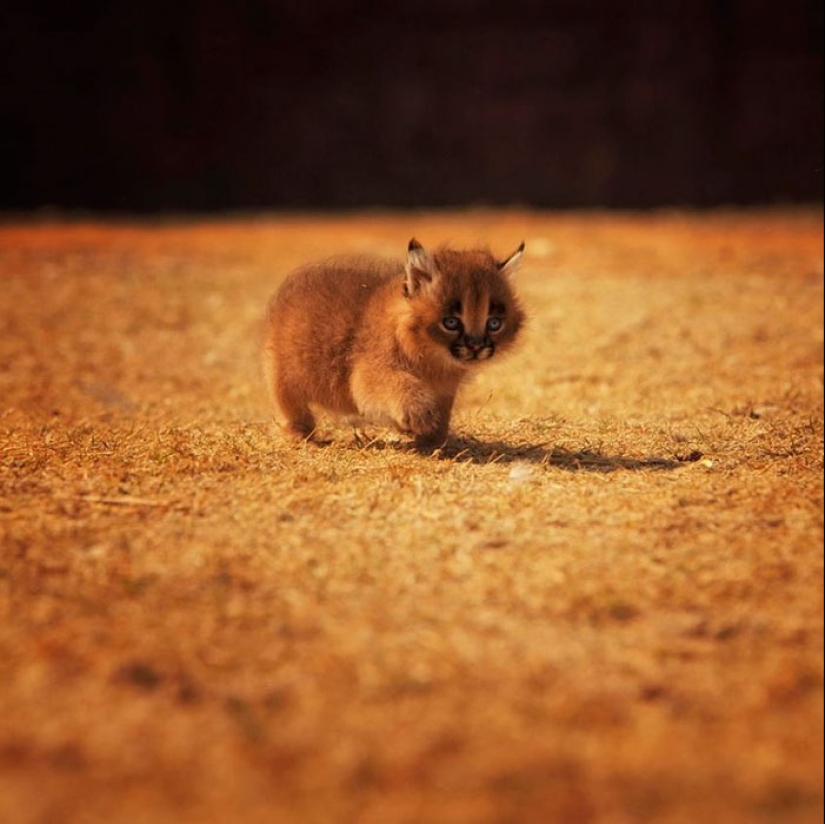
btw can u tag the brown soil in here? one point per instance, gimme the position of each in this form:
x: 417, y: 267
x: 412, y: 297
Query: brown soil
x: 601, y: 602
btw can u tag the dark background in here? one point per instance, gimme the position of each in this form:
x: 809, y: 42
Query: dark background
x: 200, y: 104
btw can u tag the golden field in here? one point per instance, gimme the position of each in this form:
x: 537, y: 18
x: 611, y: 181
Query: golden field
x: 601, y: 601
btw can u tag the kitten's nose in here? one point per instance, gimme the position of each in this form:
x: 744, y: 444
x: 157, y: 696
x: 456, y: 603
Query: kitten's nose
x: 474, y: 343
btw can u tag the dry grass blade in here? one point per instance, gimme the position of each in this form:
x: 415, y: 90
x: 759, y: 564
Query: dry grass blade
x: 124, y: 500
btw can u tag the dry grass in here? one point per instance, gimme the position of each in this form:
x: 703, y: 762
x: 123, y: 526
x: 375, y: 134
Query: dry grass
x: 602, y: 602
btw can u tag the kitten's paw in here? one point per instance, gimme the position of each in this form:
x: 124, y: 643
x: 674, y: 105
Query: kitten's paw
x: 299, y: 431
x: 421, y: 420
x: 432, y: 443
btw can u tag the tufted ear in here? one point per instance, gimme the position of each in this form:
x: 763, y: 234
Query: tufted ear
x: 512, y: 263
x: 420, y: 268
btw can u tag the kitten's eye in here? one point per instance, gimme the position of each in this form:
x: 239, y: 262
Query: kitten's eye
x: 451, y: 324
x: 494, y: 324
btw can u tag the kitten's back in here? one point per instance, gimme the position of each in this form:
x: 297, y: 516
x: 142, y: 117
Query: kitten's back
x: 312, y: 322
x: 332, y: 293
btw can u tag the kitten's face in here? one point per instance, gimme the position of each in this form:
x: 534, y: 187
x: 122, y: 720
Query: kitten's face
x: 472, y: 323
x: 463, y: 309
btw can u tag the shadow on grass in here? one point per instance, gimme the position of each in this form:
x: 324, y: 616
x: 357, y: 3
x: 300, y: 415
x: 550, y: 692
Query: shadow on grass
x: 464, y: 449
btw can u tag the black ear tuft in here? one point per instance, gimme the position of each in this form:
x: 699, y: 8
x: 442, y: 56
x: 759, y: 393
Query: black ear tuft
x: 414, y: 245
x: 513, y: 262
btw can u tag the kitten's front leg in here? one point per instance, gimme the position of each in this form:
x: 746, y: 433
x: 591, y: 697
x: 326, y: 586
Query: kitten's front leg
x: 412, y: 405
x: 426, y: 417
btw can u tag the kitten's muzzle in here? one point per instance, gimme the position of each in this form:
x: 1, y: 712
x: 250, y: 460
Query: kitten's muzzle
x: 473, y: 349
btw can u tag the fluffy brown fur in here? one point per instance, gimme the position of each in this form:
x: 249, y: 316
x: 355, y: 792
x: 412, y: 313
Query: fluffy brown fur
x: 385, y: 341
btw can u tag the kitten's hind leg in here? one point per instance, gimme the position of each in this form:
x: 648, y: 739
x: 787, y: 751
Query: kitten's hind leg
x: 302, y: 429
x: 296, y: 417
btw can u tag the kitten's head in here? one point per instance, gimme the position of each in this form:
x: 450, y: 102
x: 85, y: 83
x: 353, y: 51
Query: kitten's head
x: 462, y: 308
